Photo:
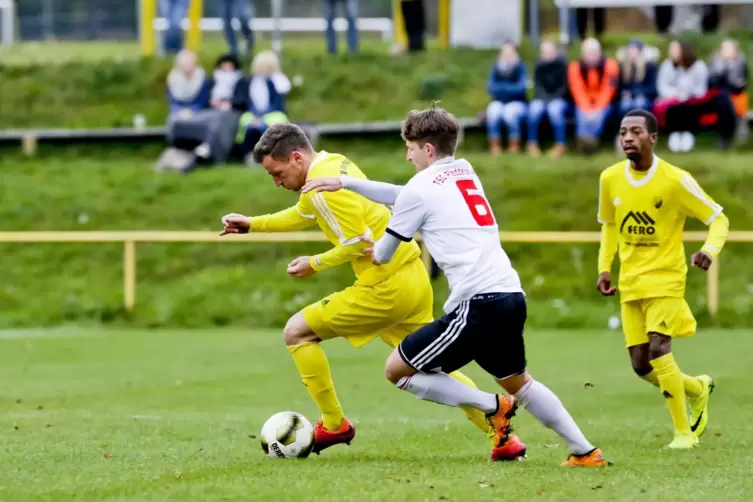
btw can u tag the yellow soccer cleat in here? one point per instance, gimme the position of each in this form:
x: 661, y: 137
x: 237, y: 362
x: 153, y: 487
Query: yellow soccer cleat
x: 699, y: 406
x: 683, y: 442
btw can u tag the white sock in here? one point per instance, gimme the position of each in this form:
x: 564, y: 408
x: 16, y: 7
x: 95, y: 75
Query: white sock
x: 443, y: 389
x: 543, y: 404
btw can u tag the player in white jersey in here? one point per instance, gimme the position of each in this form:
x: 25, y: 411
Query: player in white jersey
x: 486, y: 310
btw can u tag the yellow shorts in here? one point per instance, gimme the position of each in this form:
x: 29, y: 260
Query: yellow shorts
x: 666, y: 315
x: 391, y: 309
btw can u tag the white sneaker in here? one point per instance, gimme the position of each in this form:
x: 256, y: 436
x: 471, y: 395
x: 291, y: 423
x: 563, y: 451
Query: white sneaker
x: 687, y: 141
x: 675, y: 141
x: 202, y: 151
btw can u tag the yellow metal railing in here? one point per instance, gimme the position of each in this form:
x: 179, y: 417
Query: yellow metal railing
x: 130, y: 239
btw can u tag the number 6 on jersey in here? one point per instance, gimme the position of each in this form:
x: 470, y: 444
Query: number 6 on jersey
x: 476, y: 202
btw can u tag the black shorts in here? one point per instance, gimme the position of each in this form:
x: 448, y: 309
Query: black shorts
x: 487, y: 329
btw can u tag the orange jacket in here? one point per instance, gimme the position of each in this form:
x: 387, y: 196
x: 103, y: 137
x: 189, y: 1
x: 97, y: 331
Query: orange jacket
x: 593, y: 88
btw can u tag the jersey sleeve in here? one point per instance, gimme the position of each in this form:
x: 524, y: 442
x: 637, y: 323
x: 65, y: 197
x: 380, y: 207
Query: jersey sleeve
x: 605, y: 212
x: 287, y: 220
x: 342, y: 212
x: 695, y: 202
x: 407, y: 215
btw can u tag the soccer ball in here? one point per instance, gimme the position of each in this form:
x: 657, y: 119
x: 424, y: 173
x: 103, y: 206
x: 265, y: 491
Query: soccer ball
x: 287, y: 435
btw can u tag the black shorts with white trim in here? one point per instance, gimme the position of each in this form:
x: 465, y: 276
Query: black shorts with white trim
x: 487, y: 329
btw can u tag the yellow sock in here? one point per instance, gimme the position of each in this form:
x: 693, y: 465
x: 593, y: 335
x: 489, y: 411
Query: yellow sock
x: 476, y: 416
x: 651, y: 378
x: 314, y: 369
x: 673, y: 388
x: 693, y: 386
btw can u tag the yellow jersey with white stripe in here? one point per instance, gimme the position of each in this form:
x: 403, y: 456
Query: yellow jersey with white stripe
x: 648, y: 210
x: 344, y: 217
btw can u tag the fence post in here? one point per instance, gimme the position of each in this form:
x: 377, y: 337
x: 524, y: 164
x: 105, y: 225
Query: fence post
x: 129, y: 275
x: 712, y: 288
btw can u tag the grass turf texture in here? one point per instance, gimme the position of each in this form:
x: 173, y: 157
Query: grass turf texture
x: 106, y: 84
x: 246, y: 284
x: 175, y: 415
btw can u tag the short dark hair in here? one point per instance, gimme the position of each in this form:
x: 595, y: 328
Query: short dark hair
x: 279, y: 141
x: 651, y: 123
x: 433, y: 125
x: 228, y: 58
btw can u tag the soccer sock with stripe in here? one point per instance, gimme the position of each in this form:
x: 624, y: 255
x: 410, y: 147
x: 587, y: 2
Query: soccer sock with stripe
x: 443, y: 389
x: 476, y: 416
x: 312, y: 364
x: 672, y: 387
x: 693, y: 387
x: 546, y: 407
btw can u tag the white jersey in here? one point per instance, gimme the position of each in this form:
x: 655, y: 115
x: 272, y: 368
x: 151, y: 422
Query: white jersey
x: 446, y: 203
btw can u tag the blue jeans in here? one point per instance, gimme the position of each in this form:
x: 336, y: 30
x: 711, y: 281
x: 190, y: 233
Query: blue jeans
x: 590, y: 124
x: 243, y: 10
x: 510, y: 114
x: 174, y: 11
x: 555, y: 110
x: 351, y: 14
x: 633, y: 102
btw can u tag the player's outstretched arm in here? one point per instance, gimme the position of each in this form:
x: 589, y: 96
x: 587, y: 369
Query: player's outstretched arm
x: 287, y: 220
x: 382, y: 193
x: 695, y: 202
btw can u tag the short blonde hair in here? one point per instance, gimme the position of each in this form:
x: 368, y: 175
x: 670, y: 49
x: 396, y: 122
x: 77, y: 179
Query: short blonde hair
x: 265, y: 63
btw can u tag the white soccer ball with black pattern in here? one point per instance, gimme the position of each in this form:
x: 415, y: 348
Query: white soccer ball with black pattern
x: 287, y: 435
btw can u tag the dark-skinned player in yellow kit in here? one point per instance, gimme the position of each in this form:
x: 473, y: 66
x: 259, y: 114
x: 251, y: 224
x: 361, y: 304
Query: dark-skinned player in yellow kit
x: 643, y: 203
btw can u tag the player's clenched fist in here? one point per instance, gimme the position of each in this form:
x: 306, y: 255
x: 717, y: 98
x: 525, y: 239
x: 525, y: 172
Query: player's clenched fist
x: 235, y: 223
x: 327, y: 184
x: 604, y: 284
x: 701, y: 259
x: 301, y: 267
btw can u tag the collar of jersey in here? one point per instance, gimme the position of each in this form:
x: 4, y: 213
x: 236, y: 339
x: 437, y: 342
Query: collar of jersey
x: 317, y: 158
x: 646, y: 178
x: 443, y: 160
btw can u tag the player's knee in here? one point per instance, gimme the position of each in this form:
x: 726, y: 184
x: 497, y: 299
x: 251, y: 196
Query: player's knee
x: 659, y: 345
x: 296, y: 331
x: 642, y: 368
x: 395, y: 369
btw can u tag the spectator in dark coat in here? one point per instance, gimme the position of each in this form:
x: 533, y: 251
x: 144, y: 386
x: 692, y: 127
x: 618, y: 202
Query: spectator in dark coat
x: 550, y: 83
x: 637, y: 79
x: 507, y: 86
x: 728, y: 73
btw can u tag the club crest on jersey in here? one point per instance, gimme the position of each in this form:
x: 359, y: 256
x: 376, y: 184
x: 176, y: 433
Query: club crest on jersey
x: 638, y: 223
x: 658, y: 202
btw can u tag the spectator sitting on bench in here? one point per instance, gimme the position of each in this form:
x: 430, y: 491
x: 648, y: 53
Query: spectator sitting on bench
x: 729, y: 73
x: 261, y: 99
x: 593, y: 84
x: 204, y: 135
x: 187, y: 86
x: 550, y: 83
x: 638, y: 72
x: 685, y: 100
x: 507, y: 86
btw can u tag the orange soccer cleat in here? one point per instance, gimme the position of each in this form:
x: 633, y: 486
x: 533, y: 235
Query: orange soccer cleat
x: 323, y: 438
x: 514, y: 449
x: 593, y: 458
x: 500, y: 419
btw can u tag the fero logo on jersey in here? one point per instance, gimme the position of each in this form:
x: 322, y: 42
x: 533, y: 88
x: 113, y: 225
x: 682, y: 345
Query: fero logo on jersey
x: 638, y: 223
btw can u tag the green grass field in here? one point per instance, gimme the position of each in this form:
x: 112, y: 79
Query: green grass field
x: 174, y: 415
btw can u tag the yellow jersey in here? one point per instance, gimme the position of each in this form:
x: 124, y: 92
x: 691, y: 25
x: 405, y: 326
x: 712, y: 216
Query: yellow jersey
x: 344, y: 217
x: 648, y: 210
